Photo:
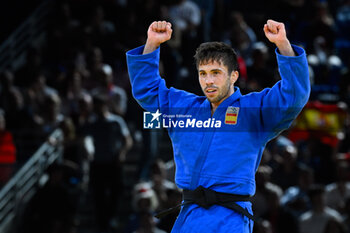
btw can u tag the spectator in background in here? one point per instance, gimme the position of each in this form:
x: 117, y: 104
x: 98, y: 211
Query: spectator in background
x: 315, y: 220
x: 147, y: 10
x: 241, y: 36
x: 344, y: 86
x: 64, y: 34
x: 326, y: 65
x: 295, y: 197
x: 263, y: 188
x: 186, y: 15
x: 84, y: 112
x: 51, y: 113
x: 159, y: 183
x: 334, y: 226
x: 174, y: 198
x: 26, y: 74
x: 52, y: 209
x: 258, y: 72
x: 94, y: 64
x: 262, y: 227
x: 280, y: 218
x: 338, y: 192
x: 346, y: 215
x: 73, y: 91
x: 144, y: 201
x: 75, y: 150
x: 11, y: 100
x: 147, y: 224
x: 111, y: 140
x: 342, y: 42
x: 101, y: 29
x: 207, y: 8
x: 7, y: 151
x: 35, y: 96
x: 144, y: 198
x: 68, y: 43
x: 318, y: 156
x: 321, y: 24
x: 117, y: 99
x: 285, y: 175
x: 99, y: 24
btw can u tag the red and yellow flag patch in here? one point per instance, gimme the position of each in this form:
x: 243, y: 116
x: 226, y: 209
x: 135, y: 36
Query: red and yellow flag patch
x: 231, y: 115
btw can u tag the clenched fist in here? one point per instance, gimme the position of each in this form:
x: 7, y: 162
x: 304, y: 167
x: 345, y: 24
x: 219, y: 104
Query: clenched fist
x: 158, y: 32
x: 275, y: 32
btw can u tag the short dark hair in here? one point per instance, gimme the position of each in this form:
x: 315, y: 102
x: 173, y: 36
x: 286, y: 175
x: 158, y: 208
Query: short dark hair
x: 216, y: 51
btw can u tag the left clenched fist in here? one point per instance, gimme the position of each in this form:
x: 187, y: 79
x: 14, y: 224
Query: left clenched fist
x: 275, y: 32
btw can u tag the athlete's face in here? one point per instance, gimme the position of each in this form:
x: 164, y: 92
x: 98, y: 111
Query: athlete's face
x: 216, y: 82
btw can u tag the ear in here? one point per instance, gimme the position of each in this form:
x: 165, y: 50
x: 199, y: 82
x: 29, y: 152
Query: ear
x: 234, y: 76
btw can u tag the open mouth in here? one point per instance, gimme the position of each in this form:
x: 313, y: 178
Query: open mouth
x: 210, y: 91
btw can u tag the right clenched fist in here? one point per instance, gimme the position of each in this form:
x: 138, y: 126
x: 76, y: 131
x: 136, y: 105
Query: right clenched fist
x: 158, y: 32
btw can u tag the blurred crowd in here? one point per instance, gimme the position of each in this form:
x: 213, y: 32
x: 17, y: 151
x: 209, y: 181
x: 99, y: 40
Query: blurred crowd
x: 77, y: 81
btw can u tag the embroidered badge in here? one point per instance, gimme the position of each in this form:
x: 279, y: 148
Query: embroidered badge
x: 231, y: 115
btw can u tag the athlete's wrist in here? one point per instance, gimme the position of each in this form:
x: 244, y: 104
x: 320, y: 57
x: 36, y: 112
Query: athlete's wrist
x: 150, y: 46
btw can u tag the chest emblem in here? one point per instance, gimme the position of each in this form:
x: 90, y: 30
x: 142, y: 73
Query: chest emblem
x: 231, y: 115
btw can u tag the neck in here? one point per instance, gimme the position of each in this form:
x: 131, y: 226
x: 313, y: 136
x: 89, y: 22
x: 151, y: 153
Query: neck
x: 213, y: 108
x: 215, y: 105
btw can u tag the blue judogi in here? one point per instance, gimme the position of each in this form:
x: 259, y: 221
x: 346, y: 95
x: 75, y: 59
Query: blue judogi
x: 223, y: 158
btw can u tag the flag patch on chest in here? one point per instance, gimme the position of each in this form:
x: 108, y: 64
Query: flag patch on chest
x: 231, y: 115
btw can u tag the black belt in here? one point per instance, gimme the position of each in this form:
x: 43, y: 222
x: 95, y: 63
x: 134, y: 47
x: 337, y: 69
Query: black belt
x: 206, y: 198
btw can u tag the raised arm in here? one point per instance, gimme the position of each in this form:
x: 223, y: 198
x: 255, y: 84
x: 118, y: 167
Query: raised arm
x: 281, y: 104
x: 148, y: 88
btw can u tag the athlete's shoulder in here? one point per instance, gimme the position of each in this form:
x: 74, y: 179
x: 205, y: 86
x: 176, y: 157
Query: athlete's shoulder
x: 255, y: 97
x: 184, y: 98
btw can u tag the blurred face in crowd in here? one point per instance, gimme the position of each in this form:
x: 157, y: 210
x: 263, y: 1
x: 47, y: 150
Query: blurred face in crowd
x: 216, y: 81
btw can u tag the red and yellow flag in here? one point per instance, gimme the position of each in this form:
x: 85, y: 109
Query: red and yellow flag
x: 231, y: 115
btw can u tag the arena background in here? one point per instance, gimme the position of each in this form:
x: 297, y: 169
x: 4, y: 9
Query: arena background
x: 60, y: 58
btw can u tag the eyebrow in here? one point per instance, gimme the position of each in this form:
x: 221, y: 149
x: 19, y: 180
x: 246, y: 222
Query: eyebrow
x: 213, y: 70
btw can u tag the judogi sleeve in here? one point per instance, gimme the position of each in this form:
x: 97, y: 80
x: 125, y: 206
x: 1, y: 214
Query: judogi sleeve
x: 281, y: 104
x: 148, y: 88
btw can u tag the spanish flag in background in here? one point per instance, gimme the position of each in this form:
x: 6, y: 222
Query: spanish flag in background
x: 323, y: 121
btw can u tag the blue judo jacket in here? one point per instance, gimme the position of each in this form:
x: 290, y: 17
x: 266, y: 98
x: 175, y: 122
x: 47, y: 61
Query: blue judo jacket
x: 220, y: 151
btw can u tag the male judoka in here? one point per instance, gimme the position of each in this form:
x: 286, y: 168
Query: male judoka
x: 216, y: 162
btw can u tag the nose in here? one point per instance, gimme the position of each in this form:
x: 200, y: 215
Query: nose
x: 209, y: 80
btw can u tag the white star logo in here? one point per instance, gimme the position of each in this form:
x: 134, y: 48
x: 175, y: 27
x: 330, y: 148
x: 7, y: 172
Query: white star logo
x: 156, y: 115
